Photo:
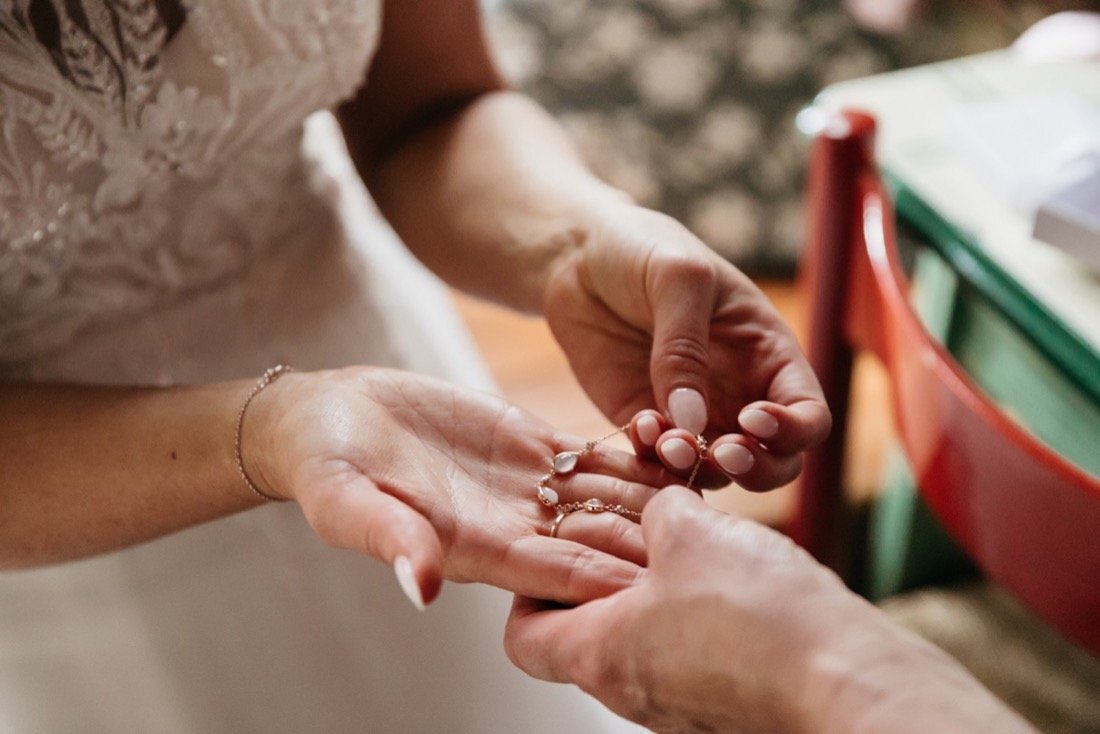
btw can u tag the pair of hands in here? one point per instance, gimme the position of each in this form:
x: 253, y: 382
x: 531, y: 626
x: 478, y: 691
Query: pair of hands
x: 722, y: 633
x: 655, y: 325
x: 440, y: 482
x: 691, y: 620
x: 652, y: 320
x: 734, y: 628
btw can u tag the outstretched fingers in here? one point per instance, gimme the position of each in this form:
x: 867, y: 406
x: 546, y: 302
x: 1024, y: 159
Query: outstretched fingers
x: 561, y: 570
x: 606, y: 532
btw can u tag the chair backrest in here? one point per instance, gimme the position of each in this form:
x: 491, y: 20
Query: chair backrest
x: 1027, y: 516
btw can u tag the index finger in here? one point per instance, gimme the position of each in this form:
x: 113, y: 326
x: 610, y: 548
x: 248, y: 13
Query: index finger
x: 794, y: 417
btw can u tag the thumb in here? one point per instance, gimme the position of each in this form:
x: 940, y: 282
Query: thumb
x: 351, y: 512
x: 683, y: 304
x: 667, y: 514
x: 678, y: 526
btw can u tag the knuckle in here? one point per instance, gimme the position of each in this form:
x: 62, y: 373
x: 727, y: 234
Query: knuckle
x: 771, y: 473
x: 631, y: 495
x: 373, y: 540
x: 514, y: 646
x: 579, y: 571
x: 591, y: 673
x: 791, y: 469
x: 683, y: 352
x: 767, y: 545
x: 601, y: 672
x: 689, y: 267
x: 620, y: 535
x: 823, y: 425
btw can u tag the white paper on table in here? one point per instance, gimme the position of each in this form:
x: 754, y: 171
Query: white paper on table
x: 1029, y: 147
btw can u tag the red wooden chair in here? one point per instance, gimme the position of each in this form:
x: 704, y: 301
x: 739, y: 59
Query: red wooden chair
x: 1026, y: 516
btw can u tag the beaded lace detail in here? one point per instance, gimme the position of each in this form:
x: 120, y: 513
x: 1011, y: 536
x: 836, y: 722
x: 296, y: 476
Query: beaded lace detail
x: 149, y: 148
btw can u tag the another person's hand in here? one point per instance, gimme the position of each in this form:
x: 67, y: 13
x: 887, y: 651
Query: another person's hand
x: 440, y: 482
x: 651, y: 318
x: 733, y: 628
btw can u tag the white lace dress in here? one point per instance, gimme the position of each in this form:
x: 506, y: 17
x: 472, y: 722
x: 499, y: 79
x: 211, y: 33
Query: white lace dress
x: 168, y: 214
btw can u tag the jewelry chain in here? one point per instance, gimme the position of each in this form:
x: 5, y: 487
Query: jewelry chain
x: 566, y: 461
x: 269, y: 376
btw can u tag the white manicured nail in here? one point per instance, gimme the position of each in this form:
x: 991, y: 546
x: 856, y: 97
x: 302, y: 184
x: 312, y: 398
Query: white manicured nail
x: 649, y: 430
x: 759, y: 423
x: 678, y: 453
x: 733, y: 458
x: 403, y: 569
x: 688, y: 410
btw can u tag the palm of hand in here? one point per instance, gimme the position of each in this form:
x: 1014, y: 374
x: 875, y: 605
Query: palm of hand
x: 467, y: 462
x: 395, y: 464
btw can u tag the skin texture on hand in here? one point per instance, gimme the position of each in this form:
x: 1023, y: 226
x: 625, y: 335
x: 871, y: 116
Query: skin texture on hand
x: 733, y: 628
x: 397, y: 465
x: 648, y: 316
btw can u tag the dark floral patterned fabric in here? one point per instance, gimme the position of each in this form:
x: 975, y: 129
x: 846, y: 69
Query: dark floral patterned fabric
x: 689, y: 105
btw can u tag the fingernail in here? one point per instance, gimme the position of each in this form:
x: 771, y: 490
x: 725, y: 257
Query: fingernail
x: 687, y: 409
x: 733, y: 458
x: 678, y: 453
x: 403, y: 569
x: 649, y: 430
x: 759, y: 423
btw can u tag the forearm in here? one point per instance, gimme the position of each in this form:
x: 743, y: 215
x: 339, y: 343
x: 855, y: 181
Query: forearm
x: 87, y: 470
x: 490, y: 196
x: 888, y: 680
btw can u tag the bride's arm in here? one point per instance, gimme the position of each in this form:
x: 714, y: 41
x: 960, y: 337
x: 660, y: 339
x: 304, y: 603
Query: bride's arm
x: 85, y: 470
x: 383, y: 462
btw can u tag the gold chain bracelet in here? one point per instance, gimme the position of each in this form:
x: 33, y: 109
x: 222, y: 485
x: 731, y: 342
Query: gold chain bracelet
x: 268, y: 377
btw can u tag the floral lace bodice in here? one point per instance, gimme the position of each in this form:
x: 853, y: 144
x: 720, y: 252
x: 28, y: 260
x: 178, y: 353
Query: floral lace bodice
x: 149, y: 148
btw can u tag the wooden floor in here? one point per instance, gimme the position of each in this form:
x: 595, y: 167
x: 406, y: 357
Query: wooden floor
x: 533, y: 373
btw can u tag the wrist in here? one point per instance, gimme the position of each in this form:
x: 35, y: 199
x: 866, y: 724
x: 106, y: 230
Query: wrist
x: 258, y: 450
x: 613, y: 217
x: 876, y: 677
x: 555, y: 243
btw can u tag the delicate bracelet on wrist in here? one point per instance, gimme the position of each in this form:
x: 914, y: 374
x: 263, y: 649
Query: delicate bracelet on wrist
x: 268, y: 377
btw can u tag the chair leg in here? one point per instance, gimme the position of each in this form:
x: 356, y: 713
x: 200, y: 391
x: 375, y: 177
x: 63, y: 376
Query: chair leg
x: 839, y: 156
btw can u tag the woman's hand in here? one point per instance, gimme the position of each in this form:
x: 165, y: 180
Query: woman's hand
x: 733, y: 628
x: 651, y: 318
x: 717, y: 636
x: 401, y: 466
